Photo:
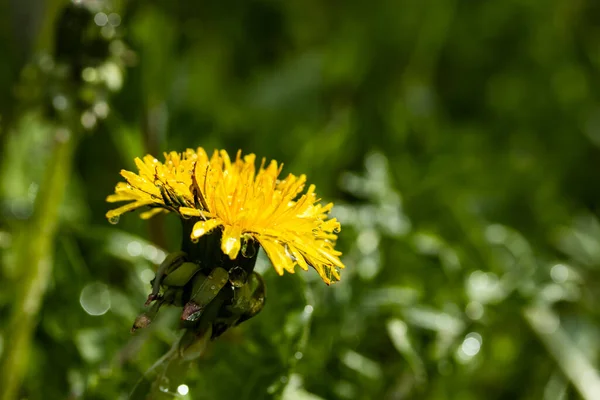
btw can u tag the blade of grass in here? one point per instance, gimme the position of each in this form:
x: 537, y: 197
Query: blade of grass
x: 571, y: 360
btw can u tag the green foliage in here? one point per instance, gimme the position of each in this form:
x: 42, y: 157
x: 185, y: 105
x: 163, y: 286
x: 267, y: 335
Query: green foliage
x: 459, y: 141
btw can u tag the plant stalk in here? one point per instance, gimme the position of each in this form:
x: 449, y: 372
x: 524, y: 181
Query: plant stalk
x: 35, y: 262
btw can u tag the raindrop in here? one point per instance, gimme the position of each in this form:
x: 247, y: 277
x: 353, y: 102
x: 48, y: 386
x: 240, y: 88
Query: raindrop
x: 289, y: 253
x: 213, y: 287
x: 237, y: 276
x: 248, y: 248
x: 298, y: 355
x: 114, y: 220
x: 163, y: 384
x: 95, y: 298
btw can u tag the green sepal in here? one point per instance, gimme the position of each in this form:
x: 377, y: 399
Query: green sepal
x: 170, y: 263
x: 181, y: 275
x: 256, y: 301
x: 205, y: 290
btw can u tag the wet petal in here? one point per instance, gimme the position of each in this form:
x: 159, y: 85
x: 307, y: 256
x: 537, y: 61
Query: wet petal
x: 126, y: 208
x: 193, y: 212
x: 299, y: 257
x: 276, y: 253
x: 230, y: 243
x: 203, y: 227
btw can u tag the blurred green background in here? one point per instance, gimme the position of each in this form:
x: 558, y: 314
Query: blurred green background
x: 458, y: 139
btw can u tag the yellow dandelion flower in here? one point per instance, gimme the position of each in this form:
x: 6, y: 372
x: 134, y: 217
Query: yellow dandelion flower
x: 245, y: 204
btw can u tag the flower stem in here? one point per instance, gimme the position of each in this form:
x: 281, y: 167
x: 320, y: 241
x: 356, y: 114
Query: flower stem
x: 34, y: 260
x: 162, y: 380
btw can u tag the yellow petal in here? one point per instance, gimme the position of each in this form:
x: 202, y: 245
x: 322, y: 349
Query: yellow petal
x: 193, y: 212
x: 230, y: 243
x: 151, y: 213
x: 126, y: 208
x: 299, y: 257
x: 328, y: 273
x: 203, y: 227
x: 278, y: 256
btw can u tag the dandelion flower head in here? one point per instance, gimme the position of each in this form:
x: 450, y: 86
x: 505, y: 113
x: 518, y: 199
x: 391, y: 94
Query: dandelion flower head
x: 244, y: 203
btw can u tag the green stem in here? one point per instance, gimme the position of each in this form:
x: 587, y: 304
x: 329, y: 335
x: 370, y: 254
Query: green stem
x: 163, y: 379
x: 570, y: 359
x: 34, y: 260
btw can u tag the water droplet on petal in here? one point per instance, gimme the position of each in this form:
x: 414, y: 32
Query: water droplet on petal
x: 114, y: 220
x: 249, y: 248
x: 289, y: 253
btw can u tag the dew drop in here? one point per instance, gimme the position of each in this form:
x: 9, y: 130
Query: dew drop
x: 114, y: 220
x: 213, y: 287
